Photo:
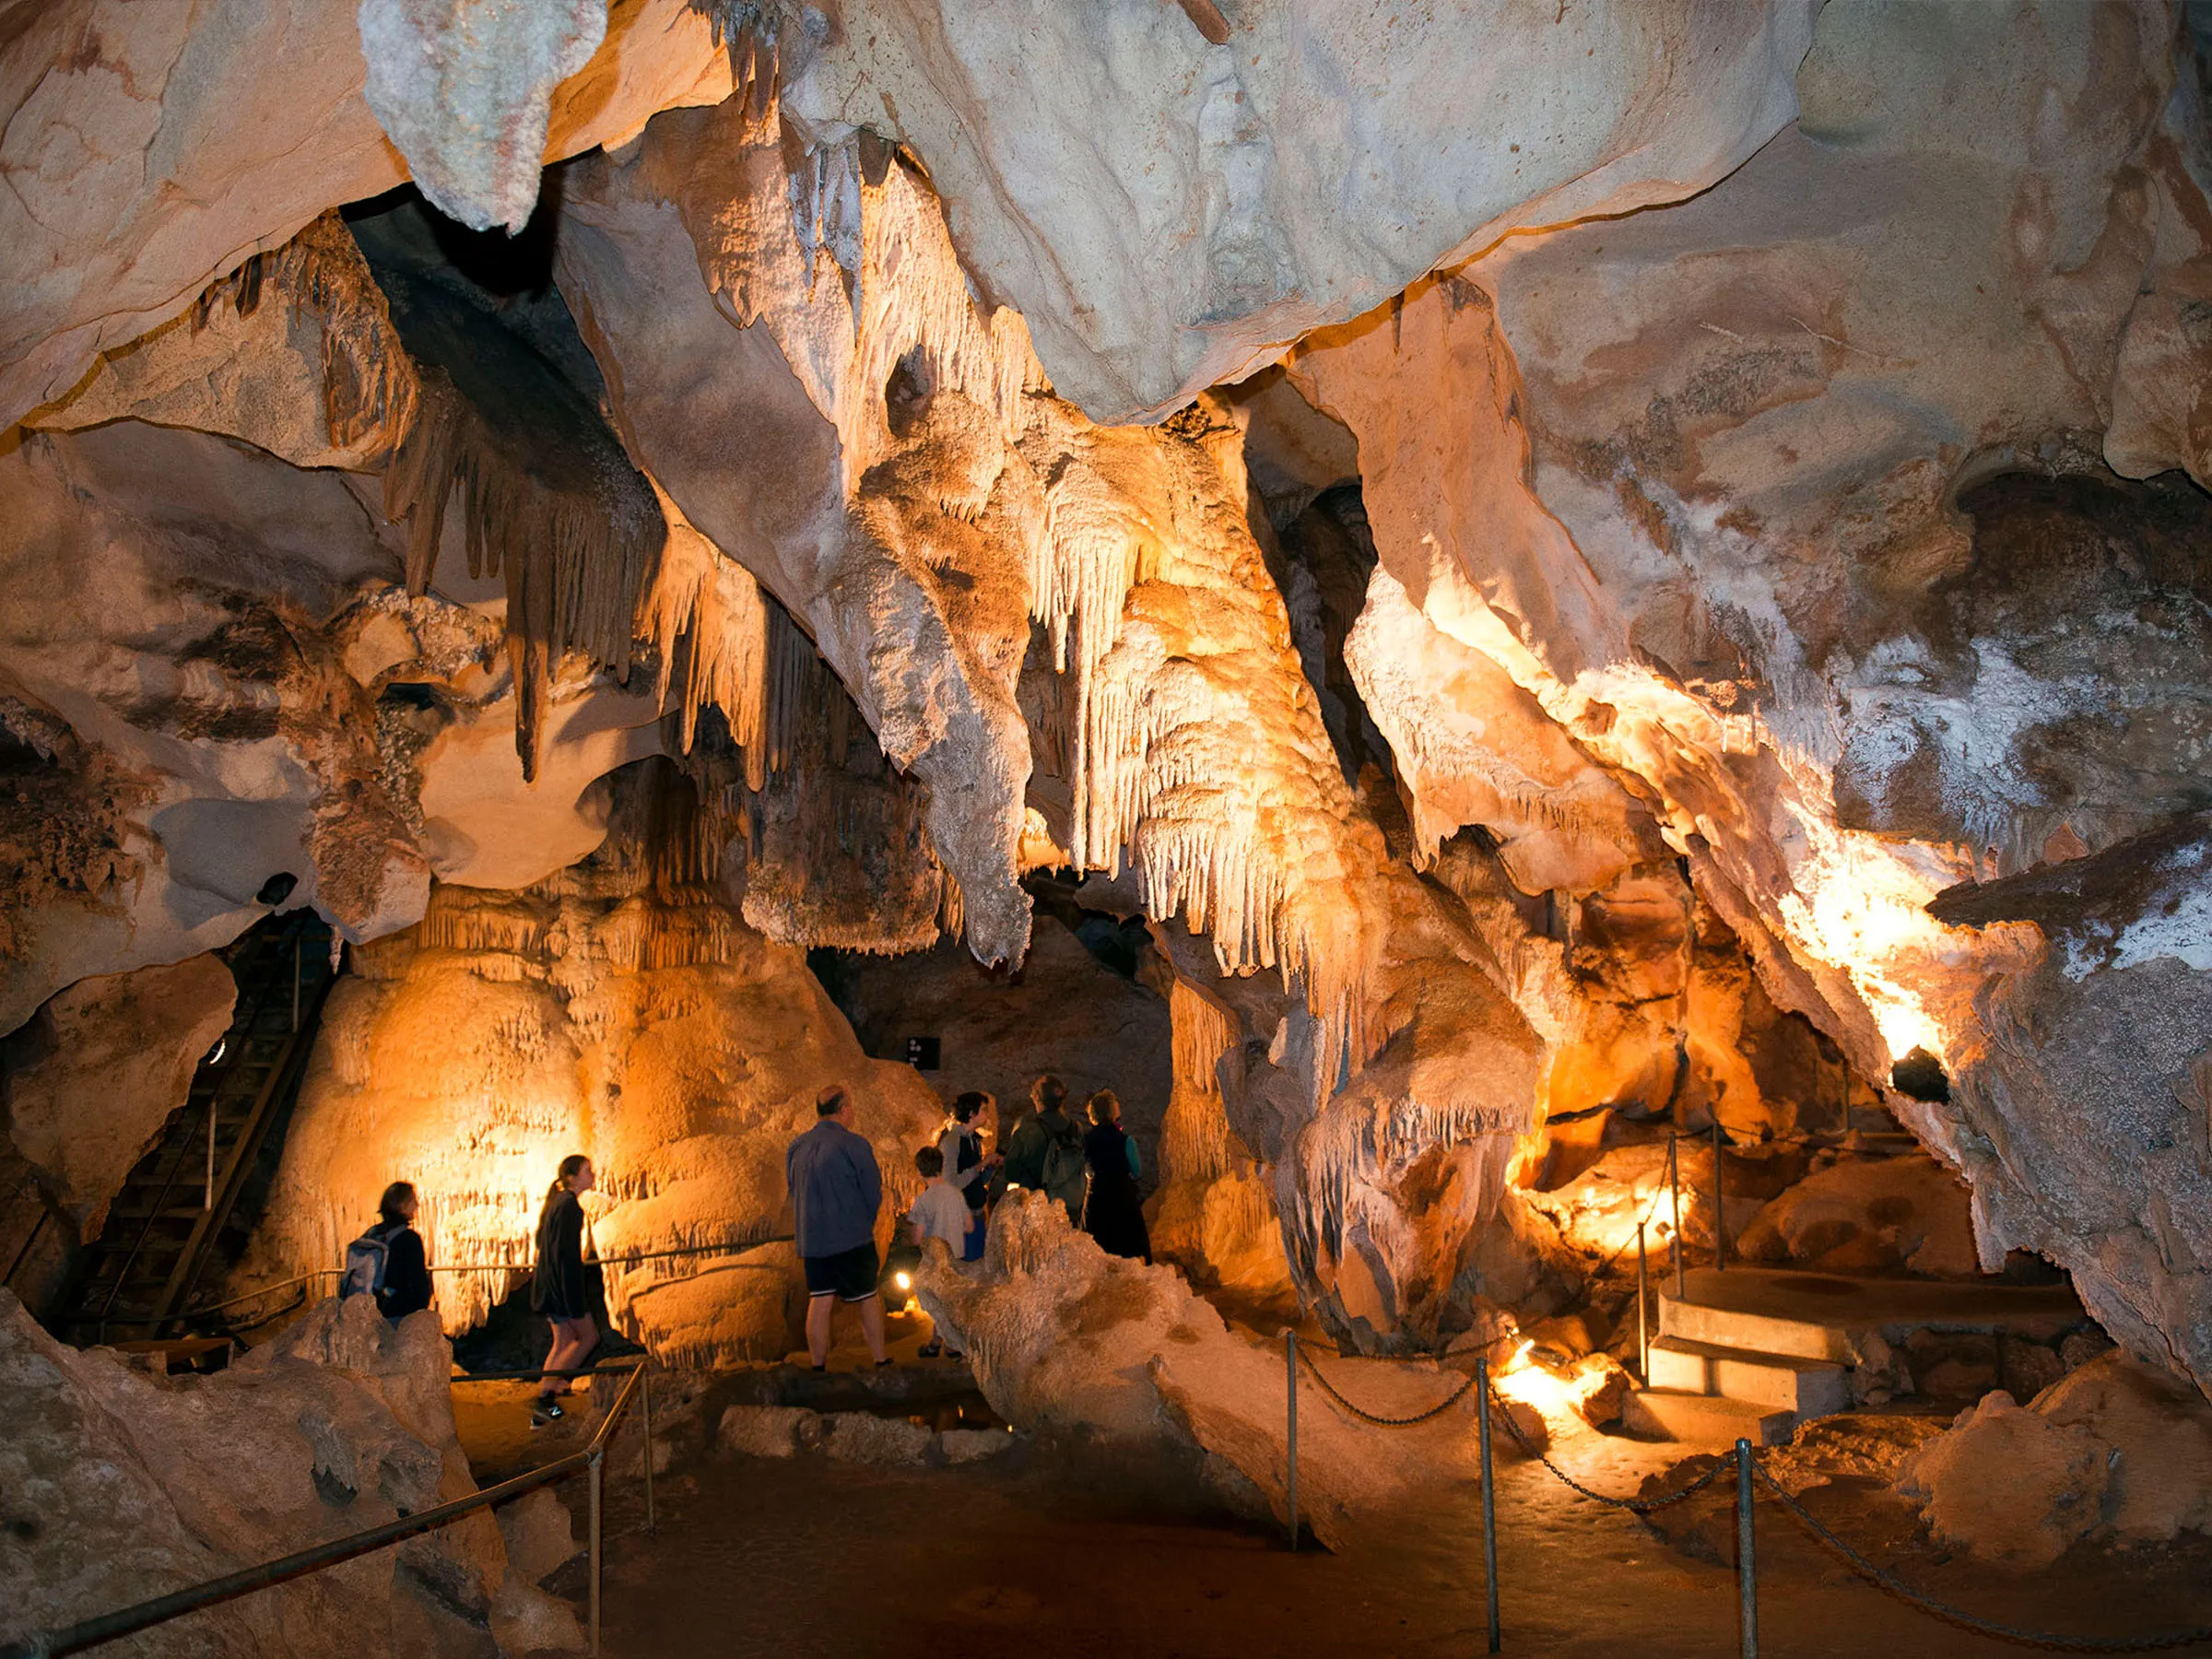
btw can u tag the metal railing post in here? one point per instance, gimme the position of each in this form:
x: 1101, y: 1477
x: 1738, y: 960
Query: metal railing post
x: 1720, y: 1208
x: 208, y: 1192
x: 295, y: 970
x: 652, y: 1523
x: 593, y: 1476
x: 1673, y: 1181
x: 1489, y: 1496
x: 1643, y: 1298
x: 1290, y: 1428
x: 1747, y: 1567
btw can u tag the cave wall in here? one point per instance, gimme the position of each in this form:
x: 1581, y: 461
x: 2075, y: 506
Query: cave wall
x: 1756, y: 528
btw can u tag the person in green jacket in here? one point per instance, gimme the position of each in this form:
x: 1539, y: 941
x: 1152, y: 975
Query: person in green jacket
x: 1046, y: 1152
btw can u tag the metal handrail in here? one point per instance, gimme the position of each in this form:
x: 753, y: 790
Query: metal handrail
x: 734, y: 1247
x: 126, y: 1621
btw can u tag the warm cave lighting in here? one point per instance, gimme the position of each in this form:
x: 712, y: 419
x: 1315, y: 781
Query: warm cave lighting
x: 904, y: 1280
x: 1553, y: 1386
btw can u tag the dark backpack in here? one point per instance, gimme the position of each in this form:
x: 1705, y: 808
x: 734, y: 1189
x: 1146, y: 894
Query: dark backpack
x: 366, y: 1259
x: 1063, y: 1157
x: 971, y: 1153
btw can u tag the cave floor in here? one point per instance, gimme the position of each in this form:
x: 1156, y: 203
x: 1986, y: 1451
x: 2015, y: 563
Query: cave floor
x: 808, y: 1556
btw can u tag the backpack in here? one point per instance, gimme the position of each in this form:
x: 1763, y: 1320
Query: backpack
x: 366, y: 1259
x: 966, y: 1156
x: 1062, y: 1157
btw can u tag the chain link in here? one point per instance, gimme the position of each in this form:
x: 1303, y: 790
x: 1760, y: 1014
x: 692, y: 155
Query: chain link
x: 1640, y: 1506
x: 1896, y: 1586
x: 1879, y: 1576
x: 1442, y: 1407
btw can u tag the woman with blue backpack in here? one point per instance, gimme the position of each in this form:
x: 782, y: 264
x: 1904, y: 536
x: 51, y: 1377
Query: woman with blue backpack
x: 388, y: 1260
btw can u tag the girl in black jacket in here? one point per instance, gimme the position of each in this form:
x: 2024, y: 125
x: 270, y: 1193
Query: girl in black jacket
x: 560, y: 1289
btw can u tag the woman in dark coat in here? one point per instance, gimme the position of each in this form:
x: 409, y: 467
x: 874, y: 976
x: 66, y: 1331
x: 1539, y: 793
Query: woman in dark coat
x: 559, y: 1288
x: 1113, y: 1214
x: 406, y: 1287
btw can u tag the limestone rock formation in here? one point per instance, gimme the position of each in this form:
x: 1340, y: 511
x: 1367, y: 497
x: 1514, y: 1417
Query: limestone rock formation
x: 1869, y: 1216
x: 1065, y: 1339
x: 135, y: 183
x: 1624, y: 666
x: 2113, y: 1450
x: 638, y: 1021
x: 121, y: 1486
x: 1243, y: 191
x: 114, y: 1057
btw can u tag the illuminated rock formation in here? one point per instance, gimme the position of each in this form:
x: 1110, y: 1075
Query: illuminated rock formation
x: 1066, y: 1338
x: 616, y: 1010
x: 1624, y: 668
x: 1166, y: 208
x: 135, y: 183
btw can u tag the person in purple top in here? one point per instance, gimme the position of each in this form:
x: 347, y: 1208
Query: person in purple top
x: 836, y: 1190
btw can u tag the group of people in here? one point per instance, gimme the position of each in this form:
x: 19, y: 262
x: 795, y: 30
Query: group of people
x: 836, y: 1192
x: 1092, y: 1174
x: 837, y: 1188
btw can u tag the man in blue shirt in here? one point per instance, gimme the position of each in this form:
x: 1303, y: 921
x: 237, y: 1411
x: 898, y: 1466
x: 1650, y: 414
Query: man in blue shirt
x: 836, y: 1190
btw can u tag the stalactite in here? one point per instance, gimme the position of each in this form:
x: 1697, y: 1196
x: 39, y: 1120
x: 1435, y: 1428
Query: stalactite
x: 1196, y: 1141
x: 575, y: 561
x: 554, y: 508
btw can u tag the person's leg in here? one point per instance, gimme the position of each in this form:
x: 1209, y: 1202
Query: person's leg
x: 556, y: 1359
x: 817, y: 1329
x: 871, y: 1327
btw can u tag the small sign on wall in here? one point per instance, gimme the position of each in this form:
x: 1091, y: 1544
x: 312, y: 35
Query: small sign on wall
x: 924, y: 1053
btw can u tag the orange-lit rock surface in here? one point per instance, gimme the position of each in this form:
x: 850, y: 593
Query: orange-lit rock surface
x: 638, y: 1021
x: 1065, y: 1339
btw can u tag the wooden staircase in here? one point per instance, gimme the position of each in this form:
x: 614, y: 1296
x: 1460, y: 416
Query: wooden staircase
x: 181, y: 1202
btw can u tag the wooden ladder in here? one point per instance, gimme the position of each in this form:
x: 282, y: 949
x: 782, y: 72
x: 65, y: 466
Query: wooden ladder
x: 161, y: 1231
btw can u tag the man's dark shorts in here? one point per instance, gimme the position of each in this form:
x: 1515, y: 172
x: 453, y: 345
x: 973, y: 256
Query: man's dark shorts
x: 850, y: 1276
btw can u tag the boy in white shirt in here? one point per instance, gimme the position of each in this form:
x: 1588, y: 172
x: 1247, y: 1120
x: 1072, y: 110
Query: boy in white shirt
x: 941, y: 1212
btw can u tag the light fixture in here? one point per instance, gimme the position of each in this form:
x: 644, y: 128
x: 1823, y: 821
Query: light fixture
x: 904, y: 1280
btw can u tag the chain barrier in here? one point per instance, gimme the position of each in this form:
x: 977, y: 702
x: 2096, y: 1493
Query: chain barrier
x: 1640, y: 1506
x: 1436, y: 1410
x: 1878, y: 1575
x: 1885, y: 1578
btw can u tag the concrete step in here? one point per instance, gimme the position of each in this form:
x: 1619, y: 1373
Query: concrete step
x: 1826, y: 1316
x: 1761, y: 1332
x: 1780, y: 1381
x: 1699, y: 1419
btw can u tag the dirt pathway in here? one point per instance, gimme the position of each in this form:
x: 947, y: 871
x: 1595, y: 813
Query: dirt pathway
x: 1020, y: 1555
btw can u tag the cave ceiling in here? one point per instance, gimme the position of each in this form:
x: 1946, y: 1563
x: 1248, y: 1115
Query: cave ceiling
x: 1355, y: 492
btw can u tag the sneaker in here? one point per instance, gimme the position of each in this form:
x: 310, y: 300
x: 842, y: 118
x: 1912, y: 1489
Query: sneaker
x: 546, y: 1411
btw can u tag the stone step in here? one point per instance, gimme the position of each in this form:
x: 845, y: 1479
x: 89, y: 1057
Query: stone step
x: 1699, y: 1419
x: 1749, y: 1332
x: 1827, y: 1316
x: 1780, y: 1381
